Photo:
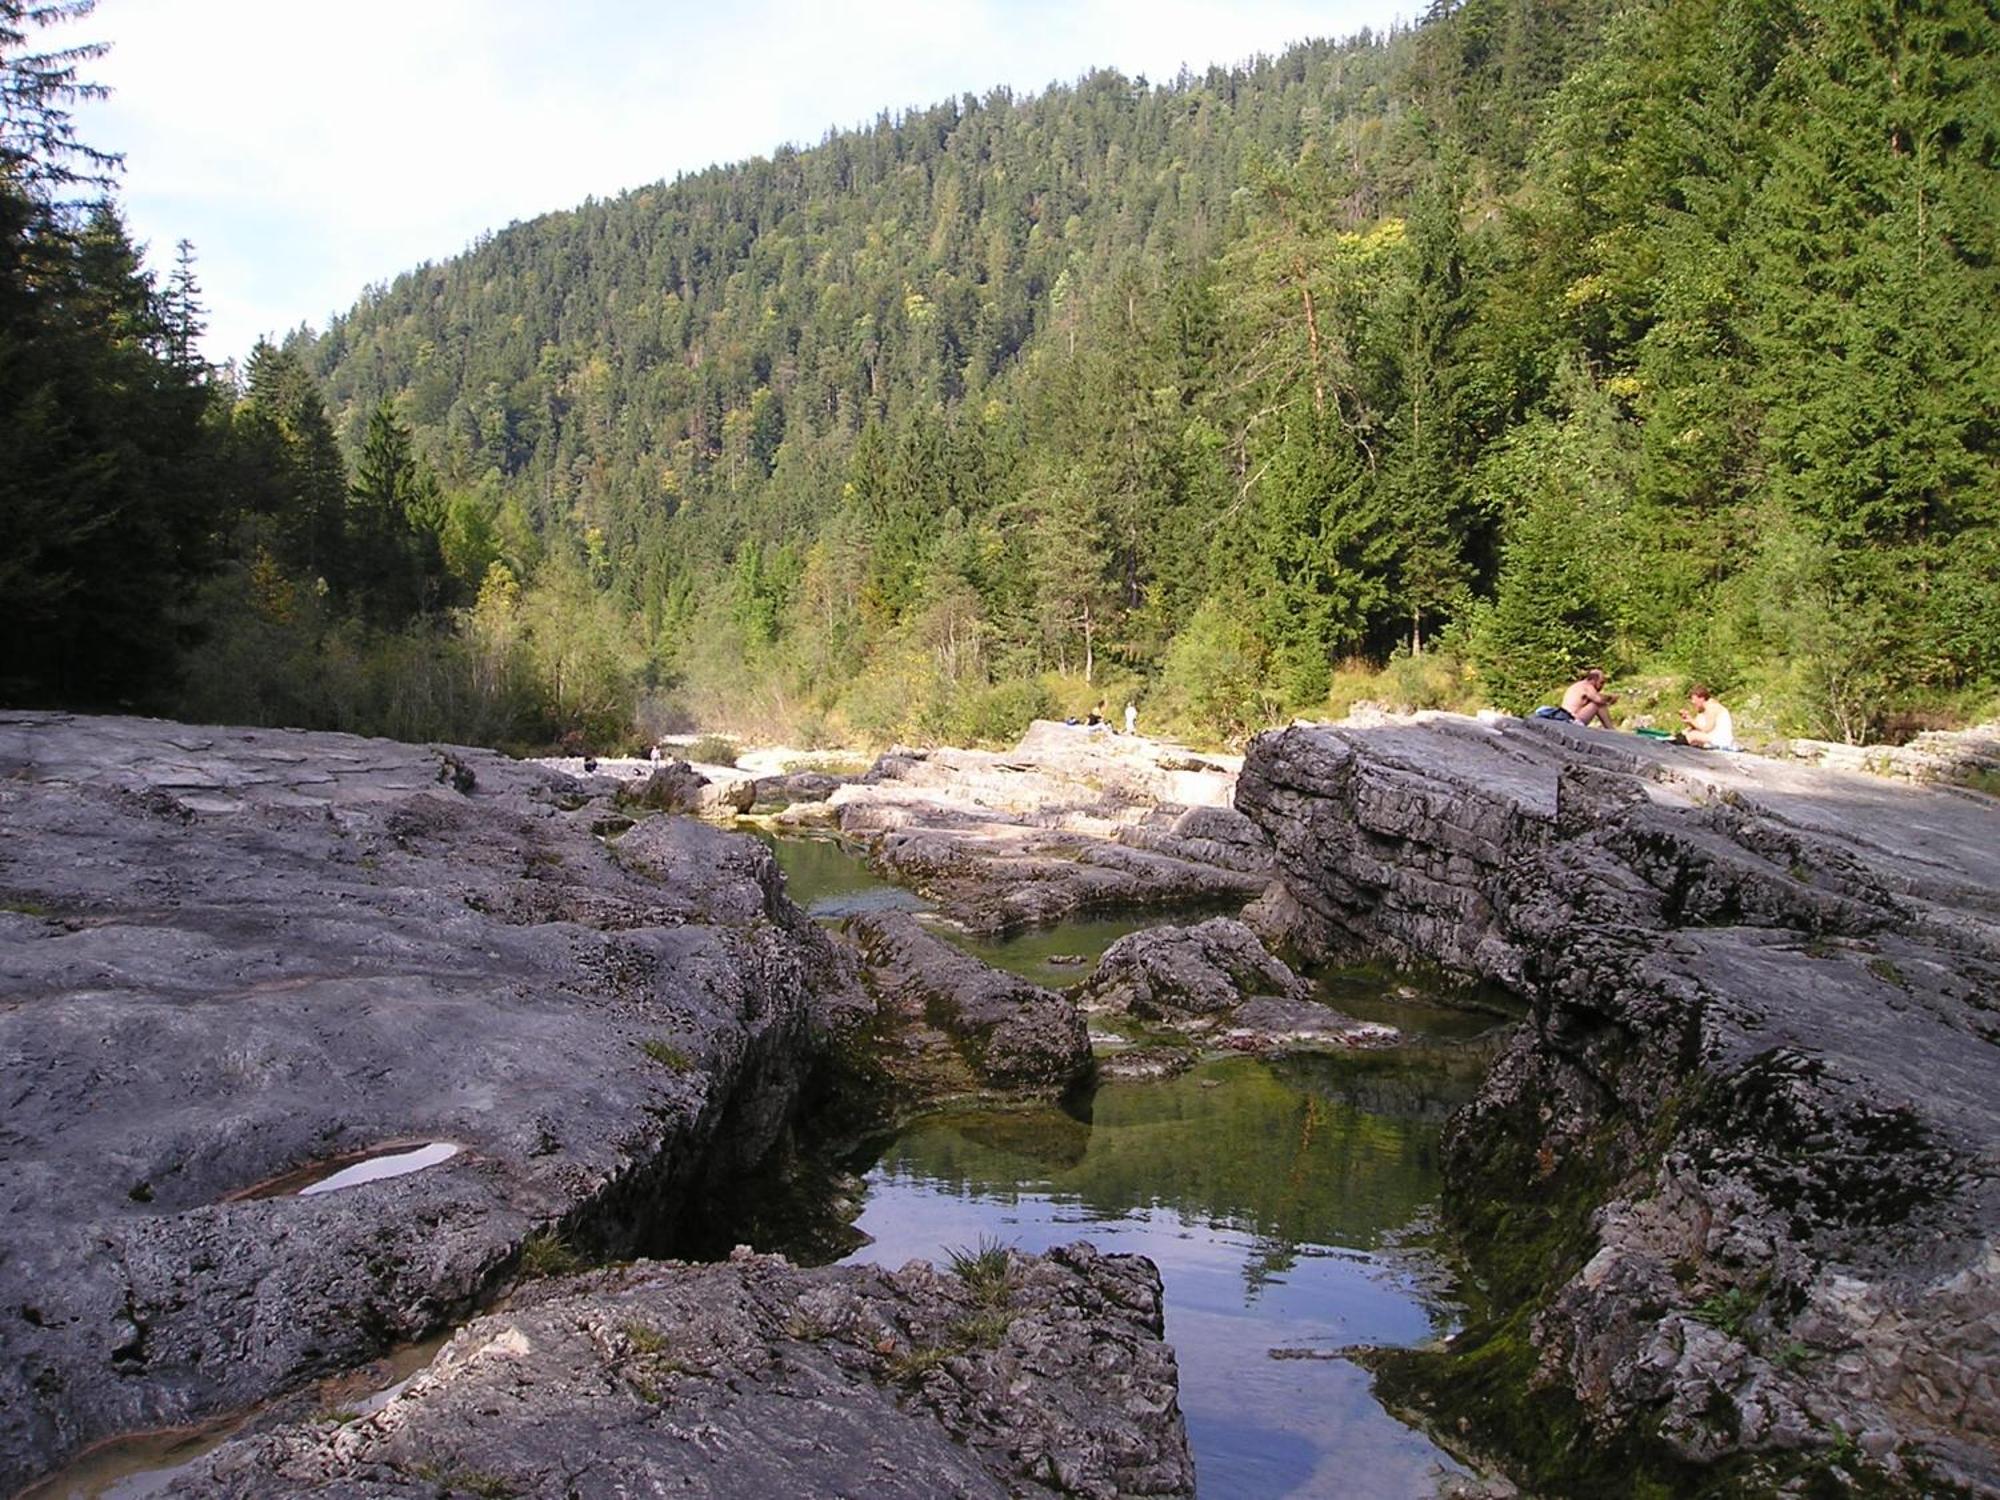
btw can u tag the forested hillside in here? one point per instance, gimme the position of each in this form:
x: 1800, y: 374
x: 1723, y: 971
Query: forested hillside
x: 1425, y: 367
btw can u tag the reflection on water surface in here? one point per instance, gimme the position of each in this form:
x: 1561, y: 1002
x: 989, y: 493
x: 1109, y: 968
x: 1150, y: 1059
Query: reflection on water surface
x: 1269, y: 1202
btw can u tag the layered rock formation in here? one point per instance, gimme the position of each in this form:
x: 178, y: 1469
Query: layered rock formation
x: 1070, y: 820
x: 1736, y: 1186
x: 227, y: 955
x: 1017, y: 1376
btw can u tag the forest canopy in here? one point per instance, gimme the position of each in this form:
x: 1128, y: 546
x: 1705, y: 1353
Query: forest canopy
x: 1428, y: 367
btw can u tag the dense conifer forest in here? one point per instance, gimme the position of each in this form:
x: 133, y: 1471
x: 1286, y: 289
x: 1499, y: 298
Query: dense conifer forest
x: 1424, y: 367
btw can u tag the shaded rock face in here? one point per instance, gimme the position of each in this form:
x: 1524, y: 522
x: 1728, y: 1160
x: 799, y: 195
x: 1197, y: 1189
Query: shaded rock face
x: 1763, y: 1041
x: 678, y: 787
x: 1069, y: 821
x: 1039, y: 1375
x: 955, y: 1023
x: 1168, y: 973
x: 227, y: 954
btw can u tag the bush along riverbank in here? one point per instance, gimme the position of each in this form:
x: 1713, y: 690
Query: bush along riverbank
x: 1729, y: 1199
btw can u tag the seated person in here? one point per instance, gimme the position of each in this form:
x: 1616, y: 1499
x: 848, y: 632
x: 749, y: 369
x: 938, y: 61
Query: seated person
x: 1586, y: 701
x: 1709, y: 726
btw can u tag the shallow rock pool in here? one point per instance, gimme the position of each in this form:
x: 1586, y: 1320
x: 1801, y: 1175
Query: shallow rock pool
x: 1281, y: 1199
x: 1273, y: 1204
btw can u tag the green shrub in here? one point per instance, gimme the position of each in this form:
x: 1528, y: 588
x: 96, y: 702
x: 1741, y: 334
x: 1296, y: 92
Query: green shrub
x: 1000, y: 714
x: 713, y: 750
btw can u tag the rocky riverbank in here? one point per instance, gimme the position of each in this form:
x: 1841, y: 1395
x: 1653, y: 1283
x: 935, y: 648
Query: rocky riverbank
x: 1071, y: 820
x: 1009, y: 1375
x: 1734, y: 1194
x: 232, y: 961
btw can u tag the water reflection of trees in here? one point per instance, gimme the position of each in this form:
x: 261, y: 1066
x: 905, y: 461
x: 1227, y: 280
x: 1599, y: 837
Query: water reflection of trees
x: 1277, y: 1152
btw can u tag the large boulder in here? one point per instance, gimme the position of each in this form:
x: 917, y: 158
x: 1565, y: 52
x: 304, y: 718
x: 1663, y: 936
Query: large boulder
x: 1217, y: 982
x: 1002, y: 1032
x: 1743, y: 1165
x: 1017, y: 1376
x: 229, y: 956
x: 1172, y: 973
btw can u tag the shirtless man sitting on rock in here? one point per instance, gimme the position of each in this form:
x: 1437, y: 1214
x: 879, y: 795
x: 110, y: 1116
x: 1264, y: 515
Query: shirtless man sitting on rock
x: 1587, y: 702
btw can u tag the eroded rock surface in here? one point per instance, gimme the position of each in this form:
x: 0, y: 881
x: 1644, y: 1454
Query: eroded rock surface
x: 1766, y: 1006
x: 1070, y: 820
x: 951, y: 1023
x: 228, y: 954
x: 1027, y: 1375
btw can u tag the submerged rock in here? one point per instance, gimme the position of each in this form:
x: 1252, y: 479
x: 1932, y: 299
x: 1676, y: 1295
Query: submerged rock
x: 957, y: 1022
x: 1020, y: 1376
x: 227, y: 955
x: 1755, y: 1116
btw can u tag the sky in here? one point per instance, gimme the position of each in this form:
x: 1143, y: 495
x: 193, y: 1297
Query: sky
x: 310, y: 150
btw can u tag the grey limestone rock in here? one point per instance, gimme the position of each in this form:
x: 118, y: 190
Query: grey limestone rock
x: 1036, y: 1375
x: 1070, y: 820
x: 1764, y: 1002
x: 1166, y: 973
x: 1217, y: 980
x: 964, y: 1023
x: 229, y: 954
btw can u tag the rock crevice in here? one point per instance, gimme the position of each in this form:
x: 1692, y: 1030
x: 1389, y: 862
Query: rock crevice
x: 1756, y: 1107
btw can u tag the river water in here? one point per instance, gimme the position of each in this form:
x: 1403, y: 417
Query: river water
x: 1282, y: 1201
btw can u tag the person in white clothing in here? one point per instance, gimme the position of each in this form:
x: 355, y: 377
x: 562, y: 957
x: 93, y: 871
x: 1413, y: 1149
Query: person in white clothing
x: 1131, y: 718
x: 1709, y: 726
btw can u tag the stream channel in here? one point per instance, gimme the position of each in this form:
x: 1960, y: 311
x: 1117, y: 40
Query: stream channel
x: 1283, y: 1201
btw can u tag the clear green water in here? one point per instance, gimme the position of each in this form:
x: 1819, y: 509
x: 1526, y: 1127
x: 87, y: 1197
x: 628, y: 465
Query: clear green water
x: 1272, y: 1194
x: 829, y: 881
x: 1035, y: 954
x: 1269, y: 1198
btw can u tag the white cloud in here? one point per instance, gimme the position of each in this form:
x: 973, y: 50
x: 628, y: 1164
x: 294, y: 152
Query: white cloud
x: 311, y: 150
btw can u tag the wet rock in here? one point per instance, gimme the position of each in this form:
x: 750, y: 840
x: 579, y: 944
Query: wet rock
x: 1025, y: 1376
x: 1068, y: 821
x: 232, y: 954
x: 1002, y: 1032
x: 1145, y: 1064
x: 1762, y: 1048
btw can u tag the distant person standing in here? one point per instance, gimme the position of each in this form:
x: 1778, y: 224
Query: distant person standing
x: 1710, y: 726
x: 1131, y: 718
x: 1586, y: 701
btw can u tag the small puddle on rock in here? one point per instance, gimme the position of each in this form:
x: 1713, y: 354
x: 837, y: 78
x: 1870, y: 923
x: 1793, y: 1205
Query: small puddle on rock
x: 396, y: 1159
x: 146, y: 1463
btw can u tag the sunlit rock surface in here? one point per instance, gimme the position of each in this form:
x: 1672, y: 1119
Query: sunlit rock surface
x: 1025, y: 1376
x: 1071, y: 820
x: 1765, y: 1039
x: 226, y: 955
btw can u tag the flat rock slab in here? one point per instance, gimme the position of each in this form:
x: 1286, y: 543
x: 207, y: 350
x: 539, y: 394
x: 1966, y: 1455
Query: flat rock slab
x: 226, y: 955
x: 1071, y: 820
x: 1033, y: 1375
x: 1766, y: 1014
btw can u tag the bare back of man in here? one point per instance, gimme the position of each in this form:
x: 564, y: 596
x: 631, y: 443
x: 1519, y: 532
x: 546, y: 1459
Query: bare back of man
x: 1587, y: 702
